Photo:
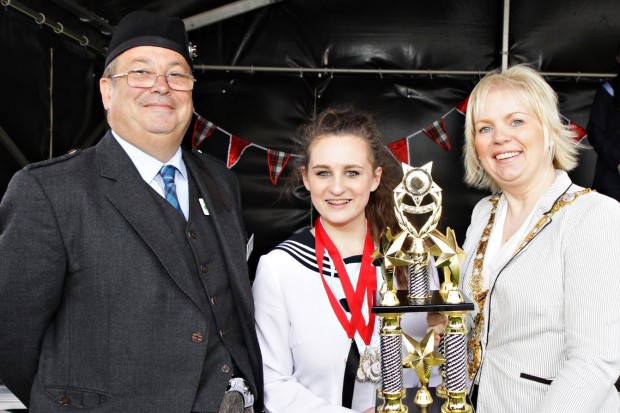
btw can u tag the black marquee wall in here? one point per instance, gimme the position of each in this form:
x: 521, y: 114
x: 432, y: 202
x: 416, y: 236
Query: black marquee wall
x: 408, y: 62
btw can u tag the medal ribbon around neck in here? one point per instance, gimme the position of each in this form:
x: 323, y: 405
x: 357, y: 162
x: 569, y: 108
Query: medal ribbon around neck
x: 366, y: 283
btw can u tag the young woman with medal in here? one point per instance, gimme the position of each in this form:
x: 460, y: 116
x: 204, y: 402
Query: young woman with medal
x: 544, y: 335
x: 313, y: 293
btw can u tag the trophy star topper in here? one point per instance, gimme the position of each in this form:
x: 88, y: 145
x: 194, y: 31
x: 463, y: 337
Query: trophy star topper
x: 417, y: 184
x: 422, y: 354
x: 448, y: 253
x: 389, y: 253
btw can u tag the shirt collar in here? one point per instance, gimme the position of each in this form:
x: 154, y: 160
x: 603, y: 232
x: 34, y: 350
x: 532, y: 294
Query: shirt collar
x: 148, y: 167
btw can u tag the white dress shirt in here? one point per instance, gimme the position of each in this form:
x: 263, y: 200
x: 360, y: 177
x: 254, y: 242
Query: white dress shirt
x: 148, y: 168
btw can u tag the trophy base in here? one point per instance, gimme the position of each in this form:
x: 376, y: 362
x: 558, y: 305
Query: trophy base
x: 392, y: 402
x: 441, y: 391
x: 407, y: 402
x: 423, y: 398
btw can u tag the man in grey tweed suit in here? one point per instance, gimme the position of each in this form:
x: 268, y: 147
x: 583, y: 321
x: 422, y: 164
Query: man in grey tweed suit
x: 112, y: 298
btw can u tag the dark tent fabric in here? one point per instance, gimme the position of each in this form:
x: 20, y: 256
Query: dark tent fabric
x: 263, y: 72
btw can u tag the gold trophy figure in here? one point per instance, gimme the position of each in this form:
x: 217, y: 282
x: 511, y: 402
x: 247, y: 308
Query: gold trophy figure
x: 417, y: 184
x: 389, y: 255
x: 422, y: 357
x: 449, y: 257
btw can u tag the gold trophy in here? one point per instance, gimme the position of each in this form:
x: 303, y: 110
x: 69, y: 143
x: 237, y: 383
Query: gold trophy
x: 410, y: 247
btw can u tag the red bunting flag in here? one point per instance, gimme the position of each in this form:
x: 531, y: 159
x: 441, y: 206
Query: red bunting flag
x: 236, y: 147
x: 400, y: 150
x: 202, y: 130
x: 581, y: 132
x: 578, y: 130
x: 276, y: 161
x: 462, y: 107
x: 438, y: 134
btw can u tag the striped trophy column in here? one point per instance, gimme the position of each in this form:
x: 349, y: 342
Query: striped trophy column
x: 455, y: 347
x: 419, y: 278
x: 392, y: 387
x: 441, y: 389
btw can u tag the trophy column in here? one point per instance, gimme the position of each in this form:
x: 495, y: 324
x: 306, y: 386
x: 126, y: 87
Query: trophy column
x: 392, y: 389
x: 419, y: 272
x: 455, y: 348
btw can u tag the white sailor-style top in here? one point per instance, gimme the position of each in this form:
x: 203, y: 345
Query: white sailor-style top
x: 304, y: 347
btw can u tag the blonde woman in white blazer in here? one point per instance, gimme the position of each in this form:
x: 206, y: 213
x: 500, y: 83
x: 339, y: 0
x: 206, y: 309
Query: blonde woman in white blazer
x: 542, y: 259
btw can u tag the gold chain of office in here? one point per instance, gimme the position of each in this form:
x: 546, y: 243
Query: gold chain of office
x: 476, y: 281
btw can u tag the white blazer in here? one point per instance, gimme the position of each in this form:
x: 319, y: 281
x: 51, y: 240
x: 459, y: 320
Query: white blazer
x: 552, y: 316
x: 304, y: 347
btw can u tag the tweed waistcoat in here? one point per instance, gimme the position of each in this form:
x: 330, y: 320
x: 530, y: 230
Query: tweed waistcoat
x: 223, y: 338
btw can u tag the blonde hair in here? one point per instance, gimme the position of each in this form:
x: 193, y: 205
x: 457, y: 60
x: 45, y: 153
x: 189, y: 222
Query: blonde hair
x: 540, y: 98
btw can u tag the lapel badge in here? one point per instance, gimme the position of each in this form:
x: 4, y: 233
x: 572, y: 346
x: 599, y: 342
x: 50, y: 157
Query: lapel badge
x: 205, y: 210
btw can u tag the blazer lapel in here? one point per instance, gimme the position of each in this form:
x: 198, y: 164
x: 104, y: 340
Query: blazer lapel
x: 557, y: 189
x: 128, y: 193
x: 227, y: 223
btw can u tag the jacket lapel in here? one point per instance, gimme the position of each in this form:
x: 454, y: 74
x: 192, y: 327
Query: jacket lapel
x: 227, y: 224
x: 557, y: 189
x: 130, y: 195
x: 225, y: 218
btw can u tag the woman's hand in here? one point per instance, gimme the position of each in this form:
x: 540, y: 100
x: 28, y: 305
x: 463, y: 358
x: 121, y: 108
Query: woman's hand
x: 371, y: 410
x: 436, y: 322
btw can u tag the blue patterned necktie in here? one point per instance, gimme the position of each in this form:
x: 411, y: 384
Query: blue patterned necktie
x: 170, y: 189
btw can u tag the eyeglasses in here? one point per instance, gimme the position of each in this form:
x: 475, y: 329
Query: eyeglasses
x: 146, y: 79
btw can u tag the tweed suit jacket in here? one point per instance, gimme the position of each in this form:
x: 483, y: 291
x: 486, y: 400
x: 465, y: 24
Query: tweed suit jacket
x: 552, y: 315
x: 97, y: 304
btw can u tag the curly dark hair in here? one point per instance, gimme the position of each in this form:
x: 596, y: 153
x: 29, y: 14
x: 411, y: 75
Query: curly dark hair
x: 342, y: 121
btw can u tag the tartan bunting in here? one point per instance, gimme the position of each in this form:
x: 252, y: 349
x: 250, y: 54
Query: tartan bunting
x: 438, y: 134
x: 400, y: 150
x: 202, y: 130
x: 276, y: 161
x: 236, y: 147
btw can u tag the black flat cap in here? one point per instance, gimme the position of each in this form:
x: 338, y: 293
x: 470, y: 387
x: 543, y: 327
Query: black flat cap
x: 145, y: 28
